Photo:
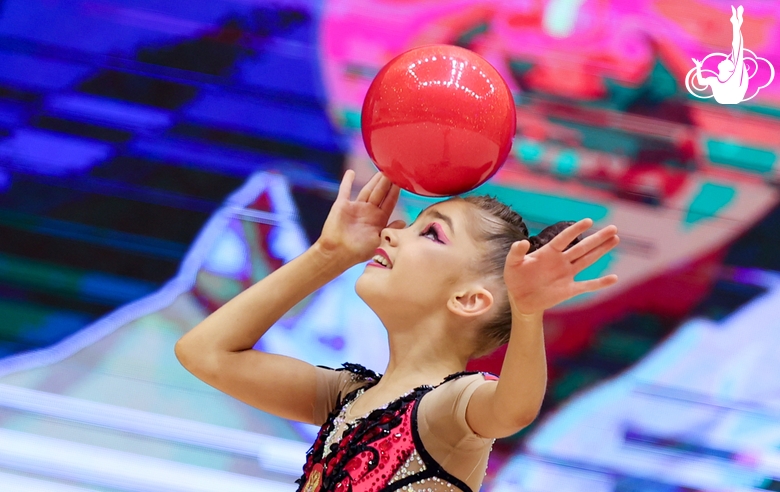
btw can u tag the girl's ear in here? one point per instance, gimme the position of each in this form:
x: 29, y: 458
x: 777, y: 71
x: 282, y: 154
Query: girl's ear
x: 471, y: 303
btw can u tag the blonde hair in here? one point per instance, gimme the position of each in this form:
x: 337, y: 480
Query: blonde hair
x: 497, y: 227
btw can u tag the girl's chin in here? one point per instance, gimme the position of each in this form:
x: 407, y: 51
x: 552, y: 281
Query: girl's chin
x: 370, y: 289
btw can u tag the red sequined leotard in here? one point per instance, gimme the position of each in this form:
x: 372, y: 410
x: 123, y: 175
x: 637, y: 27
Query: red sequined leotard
x: 380, y: 452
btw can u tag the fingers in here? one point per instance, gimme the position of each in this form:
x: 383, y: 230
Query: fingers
x: 345, y: 188
x: 594, y: 254
x: 388, y: 205
x: 562, y: 240
x: 380, y: 190
x: 365, y: 192
x: 590, y: 242
x: 596, y: 284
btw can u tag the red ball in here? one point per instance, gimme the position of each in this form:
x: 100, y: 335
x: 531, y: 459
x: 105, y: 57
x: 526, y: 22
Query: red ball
x: 438, y: 120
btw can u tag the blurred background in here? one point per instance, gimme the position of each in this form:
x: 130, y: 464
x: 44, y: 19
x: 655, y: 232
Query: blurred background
x: 157, y: 158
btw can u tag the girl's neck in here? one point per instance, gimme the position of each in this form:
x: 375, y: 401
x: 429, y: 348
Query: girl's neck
x: 421, y: 357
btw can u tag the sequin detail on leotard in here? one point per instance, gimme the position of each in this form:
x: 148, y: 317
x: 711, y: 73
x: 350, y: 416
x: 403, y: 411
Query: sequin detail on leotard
x: 380, y: 452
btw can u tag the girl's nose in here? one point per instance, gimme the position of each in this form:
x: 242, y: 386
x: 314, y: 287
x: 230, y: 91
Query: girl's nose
x: 389, y: 236
x: 390, y: 233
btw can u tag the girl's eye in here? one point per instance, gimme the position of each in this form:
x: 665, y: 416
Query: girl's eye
x: 431, y: 231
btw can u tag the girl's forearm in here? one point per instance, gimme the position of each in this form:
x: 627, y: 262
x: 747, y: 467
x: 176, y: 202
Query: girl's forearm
x: 239, y: 324
x: 520, y: 390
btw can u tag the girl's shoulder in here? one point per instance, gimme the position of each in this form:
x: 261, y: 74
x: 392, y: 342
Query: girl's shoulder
x: 445, y: 406
x: 442, y: 425
x: 450, y: 398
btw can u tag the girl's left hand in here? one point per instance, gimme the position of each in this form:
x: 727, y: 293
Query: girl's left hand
x: 540, y: 280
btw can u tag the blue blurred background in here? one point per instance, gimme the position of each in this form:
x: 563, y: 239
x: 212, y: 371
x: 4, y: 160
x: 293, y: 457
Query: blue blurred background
x: 157, y: 158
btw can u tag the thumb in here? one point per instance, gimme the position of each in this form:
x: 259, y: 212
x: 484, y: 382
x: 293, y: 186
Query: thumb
x: 520, y: 248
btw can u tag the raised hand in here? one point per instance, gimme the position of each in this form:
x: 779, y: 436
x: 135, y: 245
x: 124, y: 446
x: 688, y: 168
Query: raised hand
x: 352, y: 228
x: 540, y: 280
x: 697, y: 62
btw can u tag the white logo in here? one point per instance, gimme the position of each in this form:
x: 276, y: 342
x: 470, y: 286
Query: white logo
x: 730, y: 83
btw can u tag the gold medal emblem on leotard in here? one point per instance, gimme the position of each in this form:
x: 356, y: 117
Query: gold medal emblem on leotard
x: 315, y: 479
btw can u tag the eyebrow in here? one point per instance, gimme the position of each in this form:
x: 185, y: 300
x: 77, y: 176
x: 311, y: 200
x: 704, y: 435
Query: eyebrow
x: 438, y: 215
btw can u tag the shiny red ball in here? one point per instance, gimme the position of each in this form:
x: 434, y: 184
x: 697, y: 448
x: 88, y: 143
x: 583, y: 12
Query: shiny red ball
x: 438, y: 120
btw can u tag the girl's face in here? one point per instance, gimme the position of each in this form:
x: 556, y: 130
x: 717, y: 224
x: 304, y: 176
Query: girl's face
x: 428, y: 263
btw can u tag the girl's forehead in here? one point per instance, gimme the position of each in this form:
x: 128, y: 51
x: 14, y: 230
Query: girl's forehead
x: 450, y: 206
x: 456, y: 214
x: 448, y: 211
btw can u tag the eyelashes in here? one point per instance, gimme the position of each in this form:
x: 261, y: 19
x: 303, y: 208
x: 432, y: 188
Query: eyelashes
x: 432, y: 230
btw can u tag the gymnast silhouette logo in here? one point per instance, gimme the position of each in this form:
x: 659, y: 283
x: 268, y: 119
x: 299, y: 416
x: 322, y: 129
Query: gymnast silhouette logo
x: 730, y: 84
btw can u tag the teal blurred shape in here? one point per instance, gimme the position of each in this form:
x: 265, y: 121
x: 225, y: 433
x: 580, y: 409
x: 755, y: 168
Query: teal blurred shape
x: 710, y: 200
x: 732, y: 154
x: 543, y: 208
x: 538, y: 208
x: 528, y: 151
x: 566, y: 163
x: 603, y: 139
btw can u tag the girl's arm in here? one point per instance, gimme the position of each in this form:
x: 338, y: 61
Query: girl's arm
x: 502, y: 408
x: 219, y: 349
x: 535, y: 282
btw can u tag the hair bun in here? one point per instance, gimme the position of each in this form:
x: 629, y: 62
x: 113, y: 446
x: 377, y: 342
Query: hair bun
x: 550, y: 232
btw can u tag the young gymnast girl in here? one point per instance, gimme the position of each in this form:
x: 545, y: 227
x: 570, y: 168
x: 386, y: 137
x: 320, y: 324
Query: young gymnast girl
x: 461, y: 280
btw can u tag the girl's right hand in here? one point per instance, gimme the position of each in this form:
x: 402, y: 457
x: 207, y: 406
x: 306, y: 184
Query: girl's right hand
x: 352, y: 229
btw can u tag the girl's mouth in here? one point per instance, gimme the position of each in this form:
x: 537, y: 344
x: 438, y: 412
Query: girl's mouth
x: 381, y: 258
x: 379, y: 261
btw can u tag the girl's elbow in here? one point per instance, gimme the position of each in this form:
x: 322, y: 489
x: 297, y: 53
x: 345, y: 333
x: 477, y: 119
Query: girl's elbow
x: 200, y: 356
x: 191, y: 358
x: 183, y: 353
x: 180, y: 350
x: 529, y: 418
x: 523, y: 419
x: 514, y: 422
